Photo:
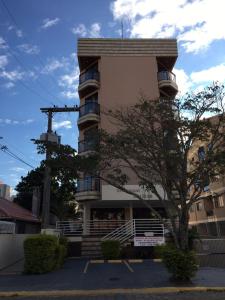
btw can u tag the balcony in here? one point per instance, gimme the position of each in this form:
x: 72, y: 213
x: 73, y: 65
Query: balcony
x: 167, y: 84
x: 88, y: 189
x: 87, y: 146
x: 89, y: 113
x: 88, y: 82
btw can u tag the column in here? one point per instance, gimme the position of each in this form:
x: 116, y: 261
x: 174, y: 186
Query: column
x: 86, y: 218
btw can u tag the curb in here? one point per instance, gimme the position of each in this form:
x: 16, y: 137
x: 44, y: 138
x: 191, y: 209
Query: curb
x: 61, y: 293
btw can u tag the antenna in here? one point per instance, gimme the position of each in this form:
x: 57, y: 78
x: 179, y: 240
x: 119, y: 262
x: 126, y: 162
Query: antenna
x: 122, y: 29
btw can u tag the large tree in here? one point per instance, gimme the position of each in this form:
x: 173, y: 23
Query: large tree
x: 63, y: 180
x: 158, y: 140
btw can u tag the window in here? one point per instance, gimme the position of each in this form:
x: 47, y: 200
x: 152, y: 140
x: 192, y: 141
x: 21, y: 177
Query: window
x: 199, y: 206
x: 219, y: 202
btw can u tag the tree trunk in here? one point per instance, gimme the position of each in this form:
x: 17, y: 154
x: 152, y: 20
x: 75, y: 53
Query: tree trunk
x: 183, y: 230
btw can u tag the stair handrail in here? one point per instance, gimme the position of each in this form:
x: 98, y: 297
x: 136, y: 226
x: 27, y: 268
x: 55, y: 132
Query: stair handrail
x: 121, y: 234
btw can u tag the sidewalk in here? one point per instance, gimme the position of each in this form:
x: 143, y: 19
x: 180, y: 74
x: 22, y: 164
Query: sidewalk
x: 104, y: 276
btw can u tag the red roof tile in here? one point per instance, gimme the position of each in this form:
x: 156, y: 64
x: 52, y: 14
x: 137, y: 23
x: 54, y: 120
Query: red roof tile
x: 11, y: 210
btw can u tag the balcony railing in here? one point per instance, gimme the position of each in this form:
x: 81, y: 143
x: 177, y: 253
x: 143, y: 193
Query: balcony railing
x: 166, y: 75
x: 89, y: 108
x: 89, y: 145
x: 89, y: 75
x: 88, y: 184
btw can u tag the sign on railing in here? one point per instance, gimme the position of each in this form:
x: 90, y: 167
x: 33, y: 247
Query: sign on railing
x: 147, y: 241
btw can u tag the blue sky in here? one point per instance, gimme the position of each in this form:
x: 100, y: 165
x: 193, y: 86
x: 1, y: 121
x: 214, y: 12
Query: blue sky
x: 38, y: 66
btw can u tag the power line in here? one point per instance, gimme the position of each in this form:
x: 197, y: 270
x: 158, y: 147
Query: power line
x: 18, y: 150
x: 37, y: 58
x: 6, y: 150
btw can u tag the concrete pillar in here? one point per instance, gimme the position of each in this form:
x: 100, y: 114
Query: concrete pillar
x: 86, y: 218
x: 129, y: 212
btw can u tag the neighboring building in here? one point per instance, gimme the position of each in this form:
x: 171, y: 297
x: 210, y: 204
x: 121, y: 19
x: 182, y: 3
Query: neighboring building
x: 113, y: 74
x: 208, y: 214
x: 5, y: 191
x: 24, y: 220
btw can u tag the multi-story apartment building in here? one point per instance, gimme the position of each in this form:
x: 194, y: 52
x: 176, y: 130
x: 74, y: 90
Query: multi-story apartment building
x: 4, y: 191
x: 113, y: 74
x: 208, y: 214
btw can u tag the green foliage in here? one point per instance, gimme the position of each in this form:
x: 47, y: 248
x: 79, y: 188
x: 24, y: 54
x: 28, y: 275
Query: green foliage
x: 61, y: 252
x: 40, y: 254
x: 110, y: 249
x: 181, y: 264
x: 63, y: 241
x: 192, y: 235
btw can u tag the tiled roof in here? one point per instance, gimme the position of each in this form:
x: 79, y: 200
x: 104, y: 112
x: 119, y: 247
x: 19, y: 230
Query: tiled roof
x: 11, y: 210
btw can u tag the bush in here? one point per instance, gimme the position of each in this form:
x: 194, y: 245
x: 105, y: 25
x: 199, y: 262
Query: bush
x: 60, y: 254
x: 40, y: 253
x: 192, y: 235
x: 181, y: 264
x: 64, y: 242
x: 110, y: 249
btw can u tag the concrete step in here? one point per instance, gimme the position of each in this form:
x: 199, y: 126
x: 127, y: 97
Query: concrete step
x: 92, y: 247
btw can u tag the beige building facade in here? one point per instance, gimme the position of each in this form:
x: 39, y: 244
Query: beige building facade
x: 114, y: 73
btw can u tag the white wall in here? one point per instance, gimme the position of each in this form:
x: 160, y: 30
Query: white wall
x: 11, y: 248
x: 111, y: 193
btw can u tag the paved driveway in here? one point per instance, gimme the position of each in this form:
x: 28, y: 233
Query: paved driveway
x: 105, y: 276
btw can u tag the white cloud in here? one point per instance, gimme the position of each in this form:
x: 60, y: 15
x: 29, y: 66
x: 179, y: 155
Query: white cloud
x: 196, y: 23
x: 16, y: 122
x: 55, y: 64
x: 216, y: 73
x: 3, y: 61
x: 9, y: 85
x: 95, y: 30
x: 63, y: 124
x: 19, y: 33
x: 11, y: 75
x: 183, y: 81
x: 80, y: 30
x: 3, y: 44
x: 92, y: 32
x: 70, y: 83
x: 47, y: 23
x: 70, y: 94
x: 29, y: 49
x: 198, y: 80
x: 69, y: 80
x: 18, y: 169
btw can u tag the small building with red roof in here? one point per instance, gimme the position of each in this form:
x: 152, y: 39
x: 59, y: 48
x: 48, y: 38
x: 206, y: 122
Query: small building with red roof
x: 24, y: 220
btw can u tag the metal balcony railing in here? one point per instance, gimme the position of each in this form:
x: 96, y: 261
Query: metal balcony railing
x: 88, y: 184
x: 89, y: 108
x: 89, y: 75
x: 89, y: 145
x: 166, y: 75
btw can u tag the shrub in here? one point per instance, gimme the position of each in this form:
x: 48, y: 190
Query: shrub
x: 40, y: 253
x: 64, y: 242
x: 192, y: 235
x: 181, y: 264
x: 110, y: 249
x: 60, y: 254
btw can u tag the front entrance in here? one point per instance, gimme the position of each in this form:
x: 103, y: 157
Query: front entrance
x: 107, y: 214
x: 145, y: 213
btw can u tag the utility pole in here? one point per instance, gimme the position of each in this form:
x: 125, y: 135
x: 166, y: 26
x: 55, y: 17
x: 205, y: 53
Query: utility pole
x: 50, y: 137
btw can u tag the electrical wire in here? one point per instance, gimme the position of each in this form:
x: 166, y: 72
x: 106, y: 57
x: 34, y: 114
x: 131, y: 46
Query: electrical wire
x: 17, y: 26
x: 15, y: 148
x: 6, y: 150
x: 22, y: 63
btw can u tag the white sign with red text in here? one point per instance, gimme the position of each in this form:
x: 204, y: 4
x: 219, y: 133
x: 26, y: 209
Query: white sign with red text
x: 148, y: 241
